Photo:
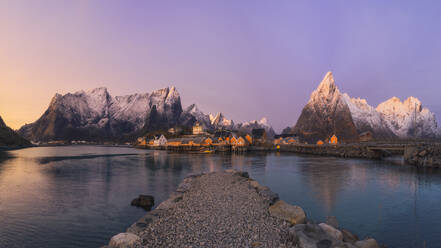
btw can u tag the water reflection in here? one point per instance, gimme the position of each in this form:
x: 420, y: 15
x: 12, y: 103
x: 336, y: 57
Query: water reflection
x: 79, y: 196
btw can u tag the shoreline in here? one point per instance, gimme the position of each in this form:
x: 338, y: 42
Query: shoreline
x: 219, y: 209
x: 418, y: 155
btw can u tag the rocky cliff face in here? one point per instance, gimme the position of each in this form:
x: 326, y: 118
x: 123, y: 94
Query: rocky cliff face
x: 329, y: 111
x: 366, y: 118
x: 326, y: 114
x: 96, y: 115
x: 9, y: 138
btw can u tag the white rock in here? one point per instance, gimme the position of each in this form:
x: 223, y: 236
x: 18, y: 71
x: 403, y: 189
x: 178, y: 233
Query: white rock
x: 125, y: 240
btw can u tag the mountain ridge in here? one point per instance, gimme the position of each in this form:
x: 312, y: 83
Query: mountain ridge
x: 96, y: 115
x: 389, y: 120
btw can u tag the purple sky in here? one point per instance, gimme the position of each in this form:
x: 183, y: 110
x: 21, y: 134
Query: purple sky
x: 247, y: 59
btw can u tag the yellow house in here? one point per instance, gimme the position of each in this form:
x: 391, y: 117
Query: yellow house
x: 333, y: 140
x: 151, y: 142
x: 233, y: 140
x: 320, y: 142
x: 220, y: 140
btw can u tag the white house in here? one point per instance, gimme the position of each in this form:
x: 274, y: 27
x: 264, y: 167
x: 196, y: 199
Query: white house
x: 161, y: 141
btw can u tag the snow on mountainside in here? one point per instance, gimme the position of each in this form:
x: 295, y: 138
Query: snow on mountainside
x: 96, y: 115
x: 247, y: 127
x: 366, y: 118
x: 409, y: 118
x: 219, y: 121
x: 193, y: 114
x: 326, y: 114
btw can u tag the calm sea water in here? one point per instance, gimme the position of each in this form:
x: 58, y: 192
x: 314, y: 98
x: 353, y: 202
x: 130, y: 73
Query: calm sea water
x: 79, y: 196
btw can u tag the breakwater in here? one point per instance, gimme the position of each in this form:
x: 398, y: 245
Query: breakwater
x: 228, y: 209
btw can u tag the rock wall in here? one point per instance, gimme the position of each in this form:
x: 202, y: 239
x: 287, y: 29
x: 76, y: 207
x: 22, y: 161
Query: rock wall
x: 344, y: 151
x: 423, y: 155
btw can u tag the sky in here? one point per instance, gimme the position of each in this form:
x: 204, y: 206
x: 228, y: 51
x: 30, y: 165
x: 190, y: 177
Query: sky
x: 246, y: 59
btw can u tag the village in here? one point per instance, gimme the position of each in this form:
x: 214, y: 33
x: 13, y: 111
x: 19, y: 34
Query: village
x: 224, y: 141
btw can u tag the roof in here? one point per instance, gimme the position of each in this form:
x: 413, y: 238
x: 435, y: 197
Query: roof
x: 366, y: 133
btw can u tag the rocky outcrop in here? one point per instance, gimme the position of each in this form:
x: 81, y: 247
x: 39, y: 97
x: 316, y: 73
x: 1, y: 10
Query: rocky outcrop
x: 293, y: 214
x: 144, y: 201
x: 9, y: 138
x: 326, y: 114
x: 125, y: 240
x: 423, y: 155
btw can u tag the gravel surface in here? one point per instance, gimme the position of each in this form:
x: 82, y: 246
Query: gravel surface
x: 217, y: 210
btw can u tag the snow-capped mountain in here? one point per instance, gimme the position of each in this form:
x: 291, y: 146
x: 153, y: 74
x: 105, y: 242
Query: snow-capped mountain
x: 409, y: 118
x: 326, y: 114
x: 366, y: 118
x: 247, y: 127
x: 95, y: 114
x: 331, y: 112
x: 219, y: 121
x: 192, y: 114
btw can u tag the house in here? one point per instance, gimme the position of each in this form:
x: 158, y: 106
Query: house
x: 320, y: 142
x: 333, y: 140
x: 233, y: 140
x: 161, y: 141
x: 207, y: 142
x: 249, y: 139
x: 366, y: 136
x: 258, y: 135
x: 198, y: 129
x: 142, y: 141
x: 241, y: 142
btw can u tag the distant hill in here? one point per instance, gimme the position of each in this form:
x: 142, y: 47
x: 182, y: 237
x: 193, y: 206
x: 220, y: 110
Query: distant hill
x: 9, y: 138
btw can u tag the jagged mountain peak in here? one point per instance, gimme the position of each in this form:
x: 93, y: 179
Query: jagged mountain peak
x: 408, y: 118
x: 394, y: 104
x: 327, y: 85
x: 193, y: 108
x: 98, y: 91
x: 327, y: 91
